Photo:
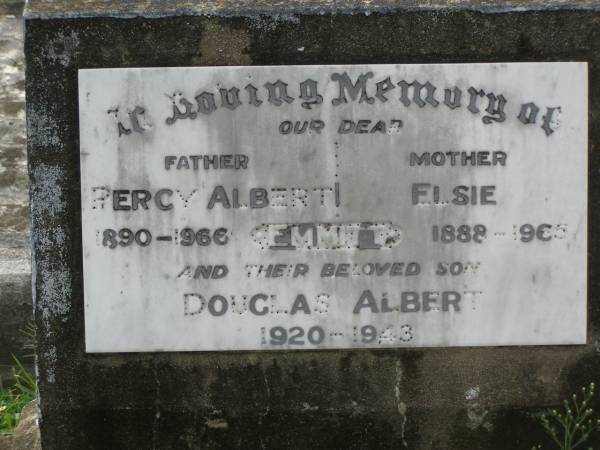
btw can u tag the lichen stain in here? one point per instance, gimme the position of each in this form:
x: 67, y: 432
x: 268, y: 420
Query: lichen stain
x: 53, y: 237
x: 62, y: 48
x: 50, y: 359
x: 402, y: 407
x: 217, y: 423
x: 47, y: 197
x: 477, y: 415
x: 48, y: 202
x: 472, y: 393
x: 308, y: 407
x: 56, y: 288
x: 42, y: 130
x: 222, y: 45
x: 266, y: 24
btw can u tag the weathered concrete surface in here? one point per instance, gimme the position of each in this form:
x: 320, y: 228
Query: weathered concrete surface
x: 162, y: 8
x: 14, y: 199
x: 15, y: 268
x: 451, y: 399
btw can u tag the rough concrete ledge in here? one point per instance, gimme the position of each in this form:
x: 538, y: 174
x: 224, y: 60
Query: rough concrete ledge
x: 43, y: 9
x: 12, y: 7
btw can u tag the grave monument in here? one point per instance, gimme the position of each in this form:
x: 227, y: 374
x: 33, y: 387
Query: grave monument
x: 360, y: 225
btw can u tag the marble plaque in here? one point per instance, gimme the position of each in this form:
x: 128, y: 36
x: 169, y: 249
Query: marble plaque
x: 315, y: 207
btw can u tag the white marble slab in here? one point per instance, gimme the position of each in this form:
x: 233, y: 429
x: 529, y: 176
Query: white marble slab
x: 362, y: 242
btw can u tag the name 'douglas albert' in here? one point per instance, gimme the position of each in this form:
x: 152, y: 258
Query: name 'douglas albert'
x: 262, y: 304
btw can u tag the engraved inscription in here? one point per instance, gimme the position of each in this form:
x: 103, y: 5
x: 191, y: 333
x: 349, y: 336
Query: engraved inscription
x: 313, y: 207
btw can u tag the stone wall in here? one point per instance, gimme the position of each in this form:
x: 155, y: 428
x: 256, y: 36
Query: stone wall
x: 15, y: 268
x: 439, y: 398
x: 14, y: 198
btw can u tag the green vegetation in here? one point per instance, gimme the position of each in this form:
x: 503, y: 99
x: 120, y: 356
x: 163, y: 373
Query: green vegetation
x: 572, y: 427
x: 14, y: 398
x: 29, y: 337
